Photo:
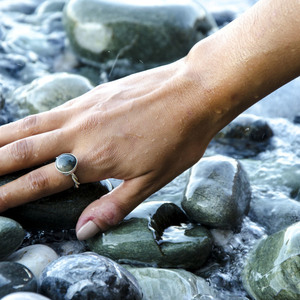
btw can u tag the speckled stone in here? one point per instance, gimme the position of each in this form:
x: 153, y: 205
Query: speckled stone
x: 272, y: 271
x: 218, y: 193
x: 15, y: 277
x: 11, y: 236
x: 88, y: 276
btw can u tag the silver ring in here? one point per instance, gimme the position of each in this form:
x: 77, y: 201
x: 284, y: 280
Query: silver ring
x: 66, y: 164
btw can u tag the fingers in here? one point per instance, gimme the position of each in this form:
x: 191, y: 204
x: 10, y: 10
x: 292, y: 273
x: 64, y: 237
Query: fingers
x: 39, y: 183
x: 32, y: 151
x: 112, y: 208
x: 30, y: 126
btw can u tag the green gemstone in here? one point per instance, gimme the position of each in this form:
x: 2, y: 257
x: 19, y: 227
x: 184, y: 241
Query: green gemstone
x: 66, y: 163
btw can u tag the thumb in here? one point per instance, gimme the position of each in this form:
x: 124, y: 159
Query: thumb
x: 112, y: 208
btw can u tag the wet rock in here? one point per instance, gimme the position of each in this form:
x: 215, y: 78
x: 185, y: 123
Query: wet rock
x: 165, y: 239
x: 11, y: 236
x: 55, y: 212
x: 273, y: 268
x: 88, y: 276
x: 34, y: 257
x: 50, y: 6
x: 246, y: 136
x: 102, y: 31
x: 24, y: 296
x: 297, y: 119
x: 274, y: 213
x: 22, y: 6
x: 171, y: 284
x: 15, y: 277
x: 48, y: 92
x: 218, y: 193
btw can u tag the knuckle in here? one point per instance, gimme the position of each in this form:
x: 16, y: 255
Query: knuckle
x: 21, y: 150
x: 38, y: 181
x: 29, y: 124
x: 4, y: 203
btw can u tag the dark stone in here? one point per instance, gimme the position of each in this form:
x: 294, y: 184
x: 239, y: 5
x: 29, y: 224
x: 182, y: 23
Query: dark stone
x: 297, y: 120
x: 11, y: 236
x: 88, y: 276
x: 58, y: 211
x: 244, y: 137
x: 15, y: 277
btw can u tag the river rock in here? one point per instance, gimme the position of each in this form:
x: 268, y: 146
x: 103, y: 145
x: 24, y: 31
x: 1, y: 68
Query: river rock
x: 246, y: 136
x: 24, y: 296
x: 272, y: 272
x: 218, y: 192
x: 171, y: 284
x: 34, y: 257
x: 273, y: 212
x: 88, y: 276
x: 11, y: 236
x: 48, y: 92
x: 56, y: 212
x: 146, y: 33
x: 15, y: 277
x: 165, y: 239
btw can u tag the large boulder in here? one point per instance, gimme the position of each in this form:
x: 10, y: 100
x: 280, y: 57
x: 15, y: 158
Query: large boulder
x: 145, y: 32
x: 218, y: 193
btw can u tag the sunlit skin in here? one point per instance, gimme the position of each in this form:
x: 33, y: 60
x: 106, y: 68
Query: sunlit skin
x: 149, y: 127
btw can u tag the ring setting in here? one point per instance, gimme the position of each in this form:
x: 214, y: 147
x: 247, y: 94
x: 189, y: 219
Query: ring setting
x: 66, y: 164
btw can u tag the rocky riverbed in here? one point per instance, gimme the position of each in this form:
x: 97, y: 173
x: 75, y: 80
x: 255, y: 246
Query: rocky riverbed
x: 228, y: 228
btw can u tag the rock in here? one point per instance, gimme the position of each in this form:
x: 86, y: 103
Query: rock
x: 218, y: 193
x: 246, y: 136
x: 15, y: 277
x: 24, y: 296
x: 272, y: 271
x: 34, y: 257
x: 170, y: 284
x: 49, y: 7
x: 48, y: 92
x: 22, y: 6
x: 88, y: 276
x: 273, y: 212
x: 148, y: 33
x: 165, y: 239
x: 11, y: 236
x: 56, y: 212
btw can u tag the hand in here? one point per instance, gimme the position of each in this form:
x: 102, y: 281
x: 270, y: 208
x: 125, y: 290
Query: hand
x: 139, y: 129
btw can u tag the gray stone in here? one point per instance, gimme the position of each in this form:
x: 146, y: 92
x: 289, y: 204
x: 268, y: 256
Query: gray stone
x: 24, y: 296
x: 147, y: 33
x: 15, y: 277
x: 272, y: 271
x: 246, y: 136
x: 171, y: 284
x: 273, y: 212
x: 166, y: 239
x: 55, y: 212
x: 218, y: 193
x: 88, y: 276
x: 66, y: 163
x: 11, y: 236
x: 34, y: 257
x: 48, y: 92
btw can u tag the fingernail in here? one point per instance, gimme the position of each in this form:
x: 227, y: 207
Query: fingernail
x: 88, y: 230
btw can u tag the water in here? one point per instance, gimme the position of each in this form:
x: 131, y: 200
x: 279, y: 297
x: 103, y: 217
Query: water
x: 31, y: 48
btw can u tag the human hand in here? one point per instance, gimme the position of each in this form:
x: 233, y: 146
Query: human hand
x: 139, y: 129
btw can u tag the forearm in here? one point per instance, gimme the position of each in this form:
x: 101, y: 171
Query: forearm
x: 249, y: 58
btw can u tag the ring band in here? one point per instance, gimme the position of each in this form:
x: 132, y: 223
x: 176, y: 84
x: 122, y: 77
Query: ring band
x: 66, y: 164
